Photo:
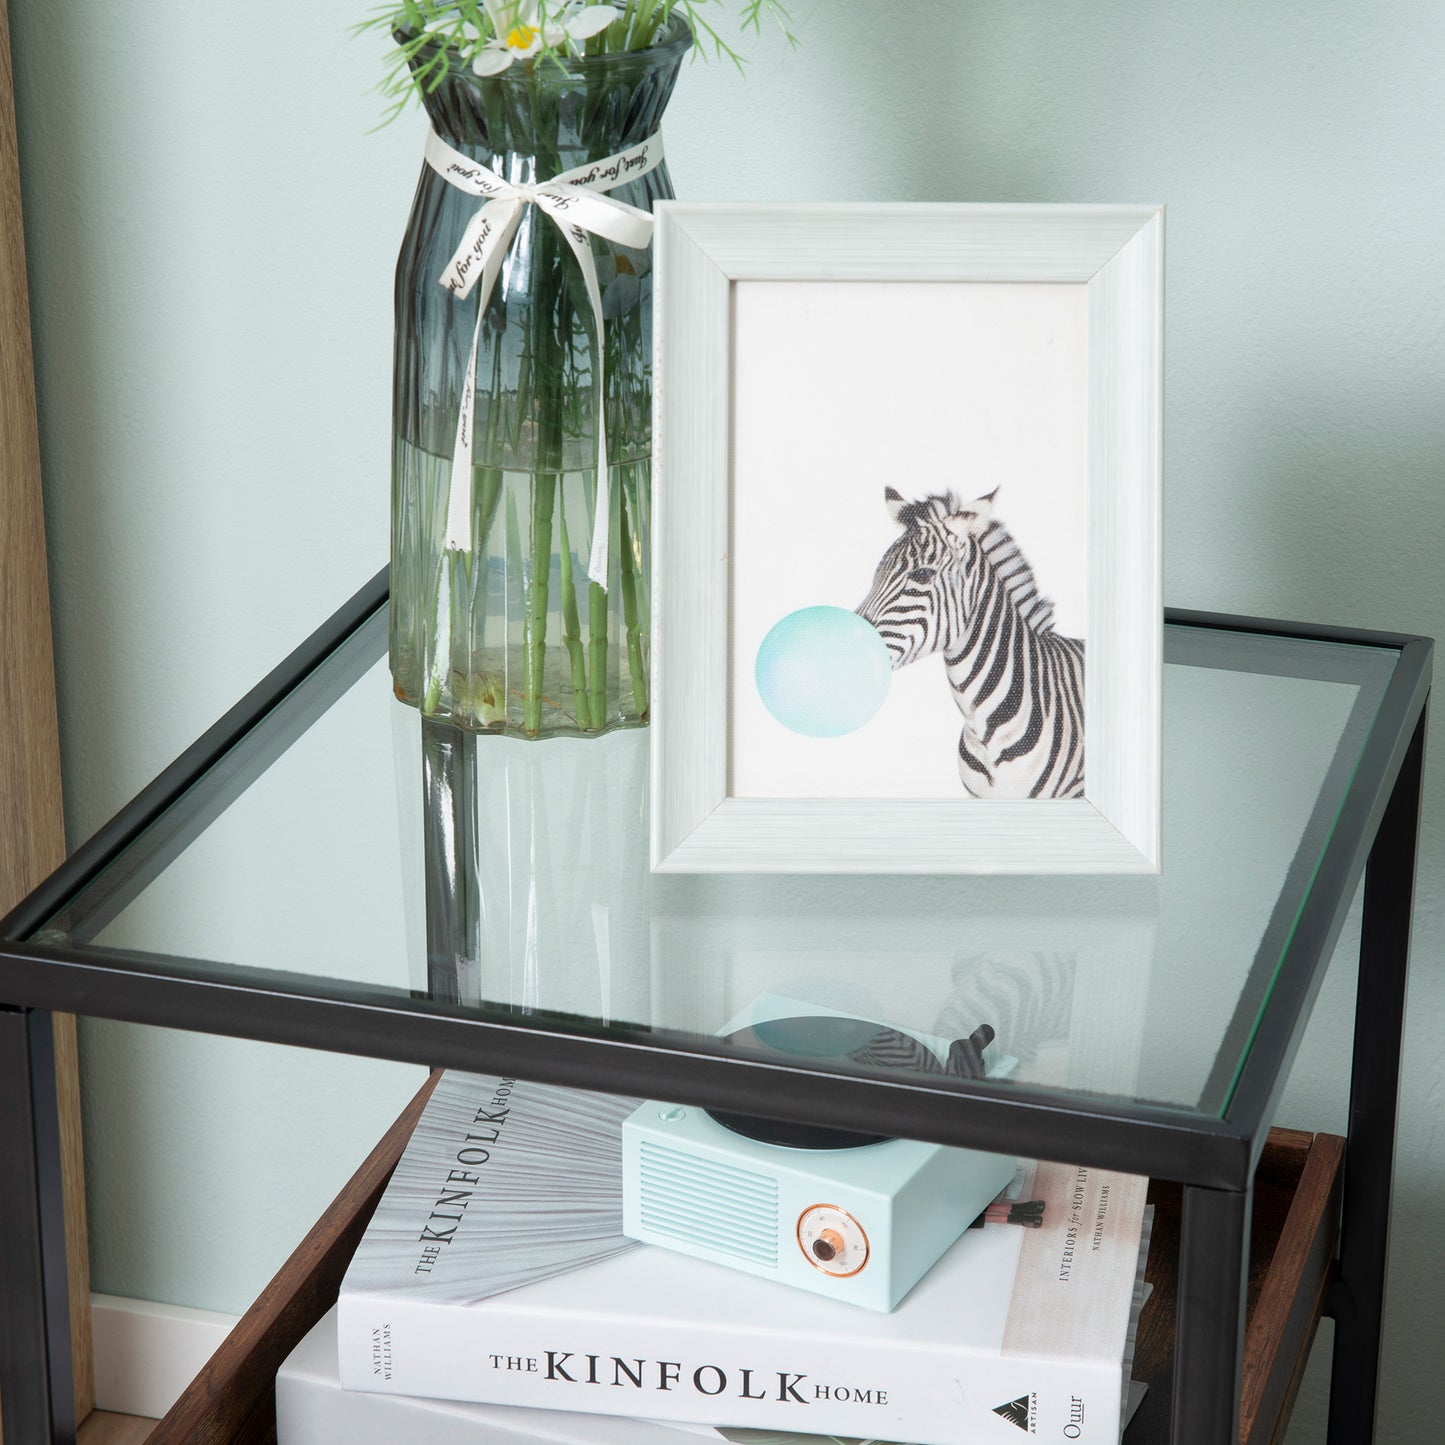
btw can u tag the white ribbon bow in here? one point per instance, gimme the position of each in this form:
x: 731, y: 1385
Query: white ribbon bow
x: 573, y: 200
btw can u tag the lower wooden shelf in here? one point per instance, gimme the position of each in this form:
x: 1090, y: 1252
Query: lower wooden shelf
x: 1296, y: 1224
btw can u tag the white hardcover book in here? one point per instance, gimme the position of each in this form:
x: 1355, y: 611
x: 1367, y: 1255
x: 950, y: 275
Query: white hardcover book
x: 495, y: 1271
x: 313, y: 1409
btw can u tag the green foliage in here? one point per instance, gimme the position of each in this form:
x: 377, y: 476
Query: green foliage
x: 433, y: 36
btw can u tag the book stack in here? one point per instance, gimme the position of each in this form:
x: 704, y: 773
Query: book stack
x: 494, y: 1298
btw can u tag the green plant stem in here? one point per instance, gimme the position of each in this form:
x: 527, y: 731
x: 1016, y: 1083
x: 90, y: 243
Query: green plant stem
x: 548, y: 355
x: 544, y: 501
x: 487, y: 485
x: 435, y: 658
x: 487, y: 494
x: 643, y: 18
x: 572, y: 627
x: 597, y: 649
x: 487, y: 481
x: 517, y: 596
x: 629, y: 612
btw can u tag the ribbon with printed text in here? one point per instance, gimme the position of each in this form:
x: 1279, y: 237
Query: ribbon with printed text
x: 576, y: 202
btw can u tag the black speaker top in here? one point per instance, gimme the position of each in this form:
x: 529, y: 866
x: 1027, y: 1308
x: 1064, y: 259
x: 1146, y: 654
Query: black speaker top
x: 825, y: 1038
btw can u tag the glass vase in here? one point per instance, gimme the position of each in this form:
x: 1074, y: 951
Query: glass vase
x: 510, y: 635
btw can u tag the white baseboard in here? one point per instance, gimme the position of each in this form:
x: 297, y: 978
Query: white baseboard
x: 146, y: 1354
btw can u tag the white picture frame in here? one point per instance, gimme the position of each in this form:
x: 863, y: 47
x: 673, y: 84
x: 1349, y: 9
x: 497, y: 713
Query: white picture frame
x: 702, y: 254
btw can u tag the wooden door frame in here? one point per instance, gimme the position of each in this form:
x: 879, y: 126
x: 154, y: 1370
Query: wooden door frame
x: 32, y: 830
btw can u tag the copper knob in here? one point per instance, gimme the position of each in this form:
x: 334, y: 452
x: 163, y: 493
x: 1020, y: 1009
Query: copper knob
x: 829, y: 1245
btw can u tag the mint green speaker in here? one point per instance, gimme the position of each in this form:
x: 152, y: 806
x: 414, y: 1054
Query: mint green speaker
x: 854, y: 1217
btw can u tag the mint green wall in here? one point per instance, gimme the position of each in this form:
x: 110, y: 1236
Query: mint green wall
x: 211, y: 235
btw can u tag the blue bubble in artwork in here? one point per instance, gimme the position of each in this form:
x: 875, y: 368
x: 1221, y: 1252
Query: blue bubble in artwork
x: 823, y: 671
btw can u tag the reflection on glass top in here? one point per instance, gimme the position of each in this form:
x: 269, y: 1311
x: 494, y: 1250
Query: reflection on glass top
x: 337, y: 839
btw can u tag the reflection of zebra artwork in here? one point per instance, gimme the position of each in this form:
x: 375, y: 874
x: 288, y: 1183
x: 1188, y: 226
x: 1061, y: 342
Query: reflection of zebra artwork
x: 1030, y: 997
x: 956, y: 582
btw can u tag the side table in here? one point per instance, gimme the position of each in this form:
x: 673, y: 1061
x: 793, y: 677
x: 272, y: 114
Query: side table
x: 1156, y: 1018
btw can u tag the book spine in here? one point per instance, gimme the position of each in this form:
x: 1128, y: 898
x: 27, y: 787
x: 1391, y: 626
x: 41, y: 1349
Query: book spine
x: 710, y: 1375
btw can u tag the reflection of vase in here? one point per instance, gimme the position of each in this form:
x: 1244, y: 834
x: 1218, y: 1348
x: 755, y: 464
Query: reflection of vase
x: 510, y: 635
x: 537, y: 878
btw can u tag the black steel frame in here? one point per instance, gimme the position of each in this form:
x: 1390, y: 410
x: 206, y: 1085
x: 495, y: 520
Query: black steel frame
x: 36, y: 1394
x: 1214, y: 1158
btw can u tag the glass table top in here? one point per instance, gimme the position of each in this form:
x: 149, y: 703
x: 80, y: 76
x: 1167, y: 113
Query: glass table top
x: 339, y: 840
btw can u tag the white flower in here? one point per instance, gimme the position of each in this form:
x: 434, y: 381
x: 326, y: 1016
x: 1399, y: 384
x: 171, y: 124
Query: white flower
x: 621, y: 288
x: 519, y: 32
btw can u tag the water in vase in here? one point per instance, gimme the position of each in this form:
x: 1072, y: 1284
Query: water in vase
x: 511, y: 636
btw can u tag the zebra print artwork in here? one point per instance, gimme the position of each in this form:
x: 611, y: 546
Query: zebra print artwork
x: 957, y: 583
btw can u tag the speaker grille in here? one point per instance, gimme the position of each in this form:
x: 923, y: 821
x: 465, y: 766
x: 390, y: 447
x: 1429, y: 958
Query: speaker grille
x: 685, y: 1198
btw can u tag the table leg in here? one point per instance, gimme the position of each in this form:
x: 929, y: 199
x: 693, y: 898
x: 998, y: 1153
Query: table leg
x: 1358, y: 1299
x: 36, y: 1392
x: 453, y: 912
x: 1209, y: 1326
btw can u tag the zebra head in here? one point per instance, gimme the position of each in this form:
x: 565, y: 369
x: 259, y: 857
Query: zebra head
x: 919, y: 600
